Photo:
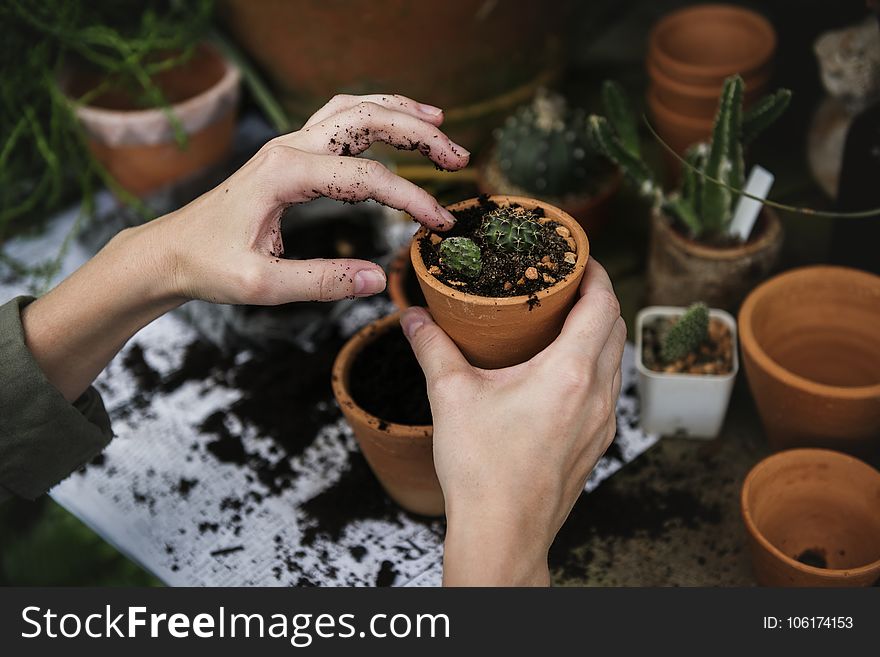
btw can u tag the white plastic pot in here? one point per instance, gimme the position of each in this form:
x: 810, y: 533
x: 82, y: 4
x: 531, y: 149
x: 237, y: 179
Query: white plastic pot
x: 693, y: 405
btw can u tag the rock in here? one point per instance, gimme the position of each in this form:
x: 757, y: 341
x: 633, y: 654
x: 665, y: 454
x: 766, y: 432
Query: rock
x: 570, y: 258
x: 434, y: 269
x: 532, y: 274
x: 572, y: 245
x: 508, y: 285
x: 435, y: 239
x: 562, y: 231
x: 549, y: 279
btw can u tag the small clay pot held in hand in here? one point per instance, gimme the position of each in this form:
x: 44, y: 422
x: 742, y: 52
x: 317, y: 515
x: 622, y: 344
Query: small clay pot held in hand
x: 138, y: 146
x: 813, y: 519
x: 812, y: 357
x: 400, y: 455
x: 682, y: 271
x: 495, y: 332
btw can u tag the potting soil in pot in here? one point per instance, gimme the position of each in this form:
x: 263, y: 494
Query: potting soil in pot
x: 503, y: 274
x: 714, y: 356
x: 387, y: 381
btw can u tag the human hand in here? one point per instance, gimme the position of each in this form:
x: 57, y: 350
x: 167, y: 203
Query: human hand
x: 227, y: 243
x: 513, y: 447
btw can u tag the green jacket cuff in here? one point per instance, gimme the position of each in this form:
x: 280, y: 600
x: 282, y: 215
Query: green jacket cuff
x: 43, y: 437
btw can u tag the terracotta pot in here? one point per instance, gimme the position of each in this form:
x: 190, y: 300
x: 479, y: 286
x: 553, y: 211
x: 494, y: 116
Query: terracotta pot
x: 500, y: 332
x: 138, y: 147
x: 313, y: 49
x: 812, y: 357
x: 703, y: 44
x: 818, y: 505
x: 400, y: 455
x: 699, y: 101
x: 682, y: 271
x: 591, y: 212
x: 403, y: 287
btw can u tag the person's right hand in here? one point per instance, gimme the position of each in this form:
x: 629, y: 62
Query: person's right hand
x: 513, y: 447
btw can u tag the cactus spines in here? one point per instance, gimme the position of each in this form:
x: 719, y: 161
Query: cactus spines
x: 686, y: 334
x: 514, y: 230
x: 461, y: 256
x: 543, y: 149
x: 705, y: 207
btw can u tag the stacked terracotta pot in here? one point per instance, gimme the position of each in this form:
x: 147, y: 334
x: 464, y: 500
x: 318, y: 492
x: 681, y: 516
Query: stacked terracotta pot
x: 690, y: 53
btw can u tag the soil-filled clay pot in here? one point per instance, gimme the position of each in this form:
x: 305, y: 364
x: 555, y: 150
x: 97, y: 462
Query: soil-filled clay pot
x: 312, y: 49
x: 812, y: 357
x: 403, y: 286
x: 703, y: 44
x: 681, y: 270
x: 691, y: 403
x: 495, y: 332
x: 399, y: 453
x: 813, y: 519
x: 137, y: 146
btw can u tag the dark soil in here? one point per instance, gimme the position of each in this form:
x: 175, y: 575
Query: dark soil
x: 714, y: 356
x: 814, y: 557
x: 503, y: 274
x: 387, y: 381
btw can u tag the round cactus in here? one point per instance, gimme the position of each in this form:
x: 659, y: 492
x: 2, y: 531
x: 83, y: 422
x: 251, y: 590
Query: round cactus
x: 461, y: 256
x: 544, y: 149
x: 511, y: 229
x: 686, y: 334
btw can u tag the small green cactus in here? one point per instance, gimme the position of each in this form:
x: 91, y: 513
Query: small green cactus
x: 461, y: 256
x: 686, y: 334
x: 514, y: 230
x: 702, y: 205
x: 543, y: 149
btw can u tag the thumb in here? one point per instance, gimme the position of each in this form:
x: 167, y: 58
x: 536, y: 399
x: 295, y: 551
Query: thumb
x: 435, y: 351
x: 325, y: 280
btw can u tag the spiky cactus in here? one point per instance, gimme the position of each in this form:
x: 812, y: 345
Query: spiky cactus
x: 514, y: 230
x: 544, y: 149
x: 686, y: 334
x: 461, y: 256
x: 702, y: 205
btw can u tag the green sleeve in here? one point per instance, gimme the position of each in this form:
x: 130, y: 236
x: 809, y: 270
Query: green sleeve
x: 43, y: 437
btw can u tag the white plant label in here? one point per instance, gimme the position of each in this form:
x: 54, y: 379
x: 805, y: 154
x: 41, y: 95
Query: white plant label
x: 747, y: 209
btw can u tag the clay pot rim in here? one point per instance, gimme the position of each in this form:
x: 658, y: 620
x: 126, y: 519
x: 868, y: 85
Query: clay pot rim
x: 551, y: 212
x: 342, y: 369
x: 696, y: 249
x: 819, y: 455
x: 695, y: 16
x: 667, y: 311
x: 657, y: 107
x: 751, y: 345
x: 231, y: 78
x: 703, y: 91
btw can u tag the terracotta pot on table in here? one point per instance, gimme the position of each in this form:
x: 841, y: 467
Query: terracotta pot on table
x: 495, y: 332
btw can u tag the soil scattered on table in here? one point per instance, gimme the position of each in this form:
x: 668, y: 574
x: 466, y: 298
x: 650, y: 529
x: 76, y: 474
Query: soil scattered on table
x: 502, y: 274
x: 387, y: 381
x: 714, y: 356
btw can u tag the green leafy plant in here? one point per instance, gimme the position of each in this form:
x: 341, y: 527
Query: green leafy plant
x: 511, y: 229
x: 714, y: 171
x: 461, y: 255
x: 686, y: 334
x: 544, y: 149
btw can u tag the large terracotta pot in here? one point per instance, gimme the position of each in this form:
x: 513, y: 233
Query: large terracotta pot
x: 456, y: 55
x: 400, y: 455
x: 682, y: 271
x: 138, y: 146
x: 803, y: 507
x: 497, y: 332
x: 811, y: 350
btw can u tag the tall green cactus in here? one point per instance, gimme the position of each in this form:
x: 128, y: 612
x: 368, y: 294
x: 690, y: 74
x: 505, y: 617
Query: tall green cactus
x: 704, y: 206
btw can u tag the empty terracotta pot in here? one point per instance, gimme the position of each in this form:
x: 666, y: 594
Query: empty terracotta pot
x: 812, y: 356
x: 494, y: 332
x: 682, y: 271
x: 703, y: 44
x: 137, y: 146
x: 813, y: 519
x: 400, y: 455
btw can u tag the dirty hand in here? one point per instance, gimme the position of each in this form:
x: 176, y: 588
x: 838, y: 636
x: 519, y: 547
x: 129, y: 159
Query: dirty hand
x: 226, y: 245
x: 513, y: 447
x: 231, y: 234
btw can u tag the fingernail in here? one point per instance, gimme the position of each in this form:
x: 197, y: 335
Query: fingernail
x: 430, y: 110
x: 368, y: 281
x: 411, y: 320
x: 460, y: 150
x: 447, y: 220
